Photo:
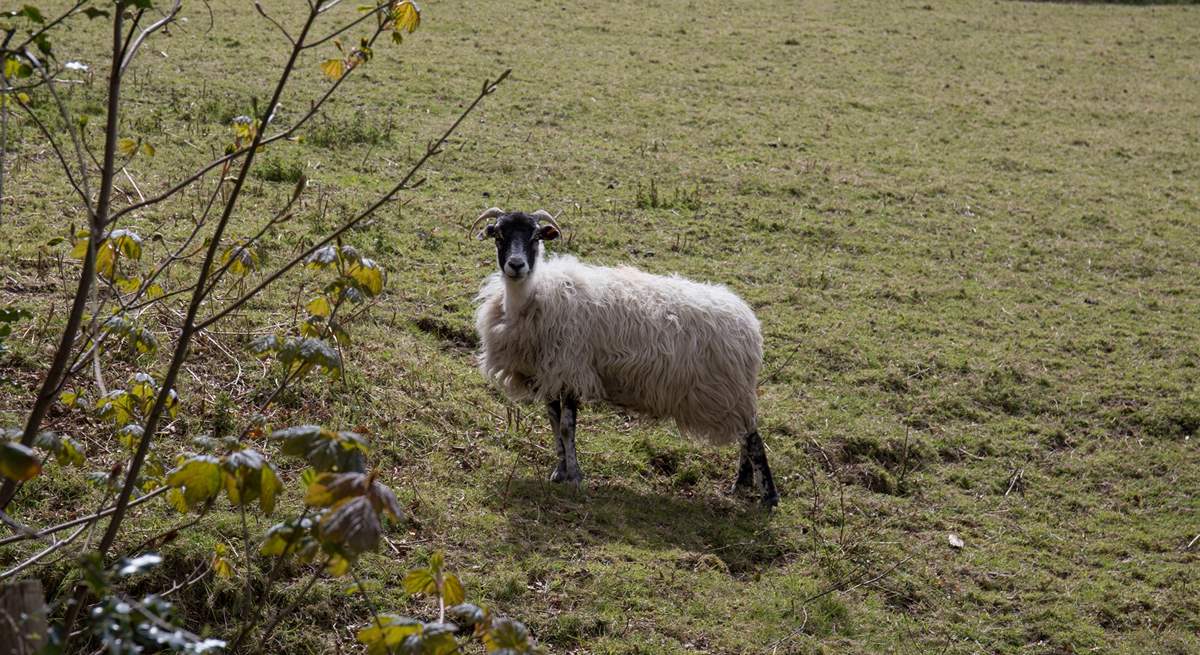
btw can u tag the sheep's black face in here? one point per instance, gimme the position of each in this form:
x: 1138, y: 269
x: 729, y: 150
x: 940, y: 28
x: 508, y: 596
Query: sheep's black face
x: 517, y: 248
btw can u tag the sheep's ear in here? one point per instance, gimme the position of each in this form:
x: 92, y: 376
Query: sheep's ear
x: 488, y: 232
x: 547, y: 233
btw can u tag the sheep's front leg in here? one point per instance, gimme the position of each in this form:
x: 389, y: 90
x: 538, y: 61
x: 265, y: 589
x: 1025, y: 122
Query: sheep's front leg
x: 754, y: 470
x: 562, y: 418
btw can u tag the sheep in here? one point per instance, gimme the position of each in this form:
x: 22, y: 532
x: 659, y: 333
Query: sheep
x: 563, y: 332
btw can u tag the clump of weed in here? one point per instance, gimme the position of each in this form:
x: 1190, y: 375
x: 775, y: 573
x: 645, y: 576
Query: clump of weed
x: 360, y: 130
x: 277, y: 169
x: 648, y: 197
x: 883, y: 465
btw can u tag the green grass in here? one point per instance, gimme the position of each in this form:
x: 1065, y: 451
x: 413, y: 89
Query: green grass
x: 969, y: 231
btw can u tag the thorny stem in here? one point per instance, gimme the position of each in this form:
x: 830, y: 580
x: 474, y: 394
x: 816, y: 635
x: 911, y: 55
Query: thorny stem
x: 282, y: 613
x: 271, y: 577
x: 189, y: 325
x: 371, y: 606
x: 87, y: 274
x: 4, y: 100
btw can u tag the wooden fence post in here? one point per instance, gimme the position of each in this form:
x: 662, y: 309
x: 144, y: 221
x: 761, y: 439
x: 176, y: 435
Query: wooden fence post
x: 22, y: 618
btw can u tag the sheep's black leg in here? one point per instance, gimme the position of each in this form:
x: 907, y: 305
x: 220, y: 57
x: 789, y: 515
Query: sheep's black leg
x: 745, y: 474
x: 754, y: 467
x: 568, y: 466
x: 554, y: 413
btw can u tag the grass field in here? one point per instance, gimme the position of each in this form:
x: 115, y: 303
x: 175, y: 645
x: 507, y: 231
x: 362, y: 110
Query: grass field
x: 971, y: 231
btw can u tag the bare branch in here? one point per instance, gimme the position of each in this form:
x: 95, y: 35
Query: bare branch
x: 430, y: 151
x: 341, y: 30
x: 43, y: 553
x: 83, y: 519
x: 133, y: 46
x: 262, y: 12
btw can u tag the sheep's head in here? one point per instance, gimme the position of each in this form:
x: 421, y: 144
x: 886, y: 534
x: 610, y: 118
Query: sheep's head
x: 518, y: 238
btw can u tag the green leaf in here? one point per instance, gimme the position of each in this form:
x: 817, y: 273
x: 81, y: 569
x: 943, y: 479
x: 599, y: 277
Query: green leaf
x: 324, y: 449
x: 15, y: 68
x: 390, y: 630
x: 420, y: 581
x: 18, y: 462
x: 80, y: 245
x: 288, y: 537
x: 242, y: 259
x: 221, y: 566
x: 249, y: 477
x: 352, y: 526
x: 199, y: 478
x: 368, y: 275
x: 148, y: 150
x: 332, y: 488
x: 13, y: 314
x: 436, y: 561
x: 129, y: 284
x: 32, y: 13
x: 65, y: 449
x: 128, y: 242
x: 117, y: 406
x: 507, y: 634
x: 68, y: 398
x: 466, y: 614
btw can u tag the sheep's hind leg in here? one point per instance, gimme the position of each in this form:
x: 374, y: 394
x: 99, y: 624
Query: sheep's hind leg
x: 754, y: 470
x: 562, y: 417
x: 745, y: 474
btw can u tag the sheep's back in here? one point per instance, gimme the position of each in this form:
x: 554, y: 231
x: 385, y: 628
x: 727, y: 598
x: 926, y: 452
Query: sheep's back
x: 659, y: 345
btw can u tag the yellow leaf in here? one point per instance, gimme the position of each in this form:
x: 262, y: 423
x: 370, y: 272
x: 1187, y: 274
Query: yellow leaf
x: 79, y: 249
x: 452, y: 590
x: 334, y: 69
x: 148, y: 150
x: 129, y: 284
x: 68, y: 398
x: 318, y: 306
x: 106, y: 260
x: 420, y: 581
x: 337, y: 566
x: 408, y: 16
x: 126, y: 146
x: 18, y: 462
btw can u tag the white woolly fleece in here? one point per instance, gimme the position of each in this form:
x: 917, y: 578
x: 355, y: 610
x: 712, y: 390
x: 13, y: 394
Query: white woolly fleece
x: 657, y: 345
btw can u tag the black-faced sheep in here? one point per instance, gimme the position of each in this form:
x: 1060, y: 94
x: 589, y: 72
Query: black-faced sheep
x: 562, y: 332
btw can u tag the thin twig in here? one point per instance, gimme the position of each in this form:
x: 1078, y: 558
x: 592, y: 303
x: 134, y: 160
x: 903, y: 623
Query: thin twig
x: 83, y: 519
x: 432, y: 150
x: 43, y: 553
x: 840, y: 586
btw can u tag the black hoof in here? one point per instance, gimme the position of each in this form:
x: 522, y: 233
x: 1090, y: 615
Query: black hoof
x: 562, y: 474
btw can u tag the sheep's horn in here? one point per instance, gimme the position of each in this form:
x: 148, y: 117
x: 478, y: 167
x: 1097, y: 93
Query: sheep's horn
x: 486, y: 215
x: 544, y: 216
